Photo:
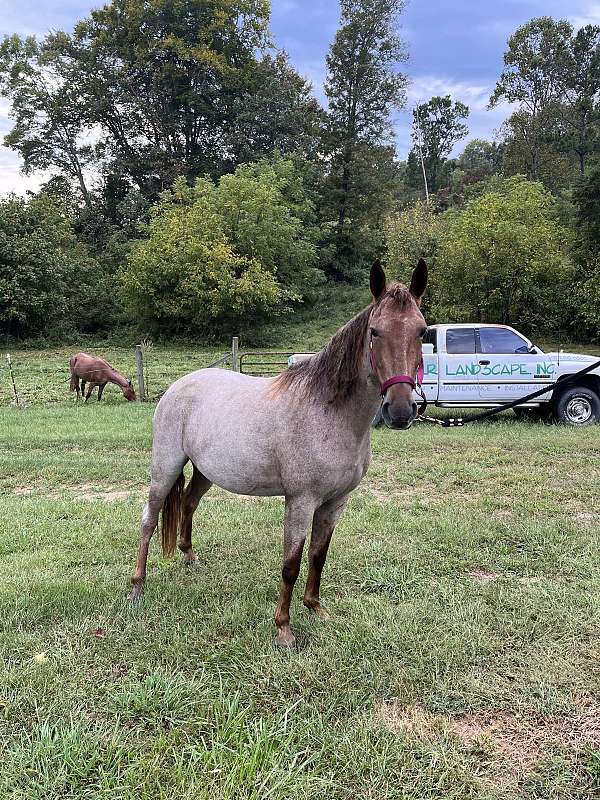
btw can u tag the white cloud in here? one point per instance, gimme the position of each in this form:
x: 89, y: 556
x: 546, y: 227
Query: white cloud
x: 590, y: 16
x: 476, y: 96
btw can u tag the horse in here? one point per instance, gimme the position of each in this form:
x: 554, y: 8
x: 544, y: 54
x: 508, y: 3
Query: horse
x: 97, y: 372
x: 305, y: 434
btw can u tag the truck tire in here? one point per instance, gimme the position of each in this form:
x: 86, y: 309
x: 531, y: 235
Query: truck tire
x: 577, y: 406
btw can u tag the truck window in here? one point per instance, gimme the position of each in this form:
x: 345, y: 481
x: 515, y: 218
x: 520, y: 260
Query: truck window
x: 430, y: 337
x: 460, y: 340
x: 501, y: 340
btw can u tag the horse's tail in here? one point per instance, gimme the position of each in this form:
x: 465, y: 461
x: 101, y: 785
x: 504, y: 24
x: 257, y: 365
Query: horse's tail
x: 171, y: 516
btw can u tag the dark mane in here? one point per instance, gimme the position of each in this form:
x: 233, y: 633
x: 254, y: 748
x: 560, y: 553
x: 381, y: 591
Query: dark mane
x: 332, y: 374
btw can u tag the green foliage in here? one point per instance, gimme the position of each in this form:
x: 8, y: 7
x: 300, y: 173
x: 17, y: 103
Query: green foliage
x: 50, y: 120
x: 412, y: 234
x: 186, y: 275
x: 268, y: 215
x: 502, y: 259
x: 46, y: 275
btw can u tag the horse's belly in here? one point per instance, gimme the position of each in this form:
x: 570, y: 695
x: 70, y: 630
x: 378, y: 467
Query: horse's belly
x: 251, y: 483
x: 243, y: 468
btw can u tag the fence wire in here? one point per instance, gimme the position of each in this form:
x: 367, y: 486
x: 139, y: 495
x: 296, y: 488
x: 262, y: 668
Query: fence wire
x: 43, y: 376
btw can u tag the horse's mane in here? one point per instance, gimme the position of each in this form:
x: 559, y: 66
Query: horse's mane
x: 332, y: 374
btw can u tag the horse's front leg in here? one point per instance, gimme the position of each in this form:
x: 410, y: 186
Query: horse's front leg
x: 298, y: 515
x: 324, y: 521
x: 91, y: 388
x: 100, y: 390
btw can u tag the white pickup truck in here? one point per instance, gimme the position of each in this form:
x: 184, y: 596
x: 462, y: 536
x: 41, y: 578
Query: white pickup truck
x: 483, y: 366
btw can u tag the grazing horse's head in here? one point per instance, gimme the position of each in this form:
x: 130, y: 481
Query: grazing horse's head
x: 128, y: 391
x: 396, y: 328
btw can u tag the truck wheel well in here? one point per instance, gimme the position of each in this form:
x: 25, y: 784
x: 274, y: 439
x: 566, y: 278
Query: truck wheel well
x: 589, y: 381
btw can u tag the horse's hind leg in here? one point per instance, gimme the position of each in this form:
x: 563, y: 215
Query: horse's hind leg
x: 194, y: 491
x: 324, y: 522
x: 160, y: 487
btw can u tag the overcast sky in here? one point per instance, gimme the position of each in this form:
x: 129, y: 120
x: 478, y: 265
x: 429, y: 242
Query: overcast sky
x: 455, y: 47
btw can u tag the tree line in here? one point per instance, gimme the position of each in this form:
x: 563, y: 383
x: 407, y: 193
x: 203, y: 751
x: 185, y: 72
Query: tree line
x: 198, y: 185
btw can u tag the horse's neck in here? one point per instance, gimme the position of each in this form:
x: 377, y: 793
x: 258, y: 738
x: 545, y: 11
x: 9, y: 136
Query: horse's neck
x: 362, y: 406
x: 116, y: 377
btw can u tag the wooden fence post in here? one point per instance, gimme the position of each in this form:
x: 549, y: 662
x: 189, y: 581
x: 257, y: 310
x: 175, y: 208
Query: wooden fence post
x: 12, y: 377
x: 139, y: 364
x: 235, y: 346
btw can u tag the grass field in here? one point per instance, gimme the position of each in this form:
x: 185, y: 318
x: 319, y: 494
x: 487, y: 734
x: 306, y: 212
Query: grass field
x: 461, y: 660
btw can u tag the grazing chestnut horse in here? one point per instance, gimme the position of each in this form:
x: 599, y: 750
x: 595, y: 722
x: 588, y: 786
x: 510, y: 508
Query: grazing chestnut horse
x: 96, y: 372
x: 305, y: 434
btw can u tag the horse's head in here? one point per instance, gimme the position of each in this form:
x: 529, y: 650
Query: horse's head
x: 396, y: 329
x: 128, y: 391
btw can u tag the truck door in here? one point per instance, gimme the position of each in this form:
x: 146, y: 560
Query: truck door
x: 458, y: 377
x: 507, y: 369
x: 430, y: 365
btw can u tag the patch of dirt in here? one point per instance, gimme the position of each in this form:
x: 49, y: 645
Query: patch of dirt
x: 23, y: 490
x: 587, y: 516
x: 484, y: 576
x: 510, y: 744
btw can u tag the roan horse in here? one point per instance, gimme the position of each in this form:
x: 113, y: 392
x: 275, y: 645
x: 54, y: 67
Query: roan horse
x: 305, y: 434
x: 97, y: 372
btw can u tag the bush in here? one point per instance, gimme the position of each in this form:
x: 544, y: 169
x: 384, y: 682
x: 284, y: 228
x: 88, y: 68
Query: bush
x: 185, y: 275
x: 218, y: 255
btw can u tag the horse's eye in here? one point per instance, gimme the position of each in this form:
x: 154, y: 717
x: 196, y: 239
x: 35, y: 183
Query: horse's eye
x: 374, y: 332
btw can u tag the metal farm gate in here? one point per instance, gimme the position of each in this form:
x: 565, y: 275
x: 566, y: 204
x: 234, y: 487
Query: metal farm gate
x: 265, y: 362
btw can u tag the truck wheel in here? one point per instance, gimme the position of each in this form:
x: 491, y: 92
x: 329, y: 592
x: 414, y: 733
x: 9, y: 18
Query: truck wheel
x: 577, y: 406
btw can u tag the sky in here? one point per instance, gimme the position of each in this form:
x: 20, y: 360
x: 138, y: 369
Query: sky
x: 455, y: 47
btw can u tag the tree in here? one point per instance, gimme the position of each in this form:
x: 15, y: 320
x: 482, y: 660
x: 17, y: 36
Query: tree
x: 363, y: 86
x: 217, y: 254
x: 586, y: 199
x: 533, y: 77
x: 276, y: 113
x: 159, y: 81
x: 411, y: 234
x: 578, y: 107
x: 479, y: 159
x: 437, y: 126
x: 504, y: 259
x: 50, y: 131
x: 46, y: 277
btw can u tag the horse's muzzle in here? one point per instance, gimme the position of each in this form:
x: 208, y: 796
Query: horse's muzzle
x: 399, y: 416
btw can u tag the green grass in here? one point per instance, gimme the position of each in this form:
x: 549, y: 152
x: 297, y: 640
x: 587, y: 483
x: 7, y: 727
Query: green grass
x: 460, y: 660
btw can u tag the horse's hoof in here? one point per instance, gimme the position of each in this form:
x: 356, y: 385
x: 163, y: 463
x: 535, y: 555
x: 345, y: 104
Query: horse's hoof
x: 135, y: 594
x: 321, y: 612
x: 318, y: 609
x: 190, y: 560
x: 285, y: 639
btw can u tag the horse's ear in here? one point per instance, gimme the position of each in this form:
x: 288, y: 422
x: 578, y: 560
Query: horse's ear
x: 418, y: 281
x: 377, y: 281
